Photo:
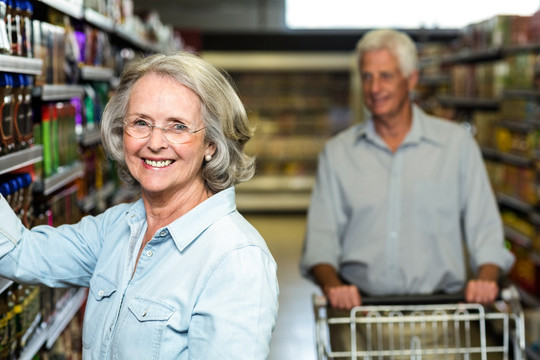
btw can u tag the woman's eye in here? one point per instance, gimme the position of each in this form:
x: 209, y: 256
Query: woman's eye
x: 179, y: 127
x: 140, y: 123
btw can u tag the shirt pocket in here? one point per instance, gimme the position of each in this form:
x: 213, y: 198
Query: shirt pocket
x: 435, y: 210
x: 141, y: 328
x: 100, y: 297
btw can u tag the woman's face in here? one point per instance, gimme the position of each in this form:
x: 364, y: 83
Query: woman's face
x: 160, y: 166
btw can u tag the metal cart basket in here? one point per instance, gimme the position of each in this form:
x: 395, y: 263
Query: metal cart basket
x: 439, y: 328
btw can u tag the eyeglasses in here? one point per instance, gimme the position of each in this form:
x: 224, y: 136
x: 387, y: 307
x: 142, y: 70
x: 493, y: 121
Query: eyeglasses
x: 175, y: 133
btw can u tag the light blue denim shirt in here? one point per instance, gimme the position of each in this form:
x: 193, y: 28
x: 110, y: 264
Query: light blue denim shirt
x: 397, y: 223
x: 205, y: 286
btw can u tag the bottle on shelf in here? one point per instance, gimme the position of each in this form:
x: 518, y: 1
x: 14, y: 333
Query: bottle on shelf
x: 14, y: 26
x: 19, y: 121
x: 22, y: 110
x: 5, y: 47
x: 4, y: 327
x: 27, y: 108
x: 13, y: 314
x: 6, y: 111
x: 27, y: 11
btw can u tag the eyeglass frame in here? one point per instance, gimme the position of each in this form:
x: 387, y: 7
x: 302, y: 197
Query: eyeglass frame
x: 163, y: 130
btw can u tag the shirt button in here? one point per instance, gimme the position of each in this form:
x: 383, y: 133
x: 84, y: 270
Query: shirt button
x: 101, y: 292
x: 163, y: 233
x: 149, y: 253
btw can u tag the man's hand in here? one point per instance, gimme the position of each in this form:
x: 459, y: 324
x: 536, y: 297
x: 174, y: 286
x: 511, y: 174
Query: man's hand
x: 343, y: 297
x: 481, y: 291
x: 484, y: 289
x: 340, y: 296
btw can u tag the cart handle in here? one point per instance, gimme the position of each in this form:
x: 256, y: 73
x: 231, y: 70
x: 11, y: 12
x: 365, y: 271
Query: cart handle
x: 423, y: 299
x: 508, y: 293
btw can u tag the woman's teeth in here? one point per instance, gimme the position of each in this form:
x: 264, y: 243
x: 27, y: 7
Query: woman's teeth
x: 158, y: 164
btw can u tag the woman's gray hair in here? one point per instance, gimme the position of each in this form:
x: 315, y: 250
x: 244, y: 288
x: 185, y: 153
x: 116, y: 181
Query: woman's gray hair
x: 397, y: 43
x: 223, y: 115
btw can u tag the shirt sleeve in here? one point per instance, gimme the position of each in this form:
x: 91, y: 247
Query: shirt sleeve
x: 235, y: 314
x: 481, y: 218
x: 325, y: 214
x: 56, y: 257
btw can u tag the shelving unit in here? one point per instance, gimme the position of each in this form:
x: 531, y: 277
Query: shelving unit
x: 507, y: 127
x: 47, y: 335
x: 296, y: 101
x: 69, y: 177
x: 20, y: 159
x: 77, y: 11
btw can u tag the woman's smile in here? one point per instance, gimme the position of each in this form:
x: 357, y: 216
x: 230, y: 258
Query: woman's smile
x: 158, y: 163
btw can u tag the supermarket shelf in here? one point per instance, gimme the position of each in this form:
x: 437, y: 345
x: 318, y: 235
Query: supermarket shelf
x: 65, y: 316
x: 71, y: 8
x: 272, y: 202
x: 48, y: 335
x: 517, y: 237
x: 92, y: 200
x: 128, y: 35
x: 275, y: 193
x: 90, y: 137
x: 434, y: 80
x: 521, y: 93
x: 76, y: 10
x: 527, y: 299
x: 507, y: 158
x: 98, y: 20
x: 277, y: 183
x: 265, y: 61
x: 64, y: 176
x: 4, y: 284
x: 514, y: 203
x: 464, y: 102
x: 20, y: 159
x: 58, y: 92
x: 471, y: 56
x: 20, y: 65
x: 96, y: 73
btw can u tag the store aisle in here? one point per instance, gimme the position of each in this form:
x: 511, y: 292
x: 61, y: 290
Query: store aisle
x: 294, y: 334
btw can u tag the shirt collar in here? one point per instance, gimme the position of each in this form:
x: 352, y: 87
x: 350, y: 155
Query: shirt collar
x: 187, y: 228
x: 420, y: 130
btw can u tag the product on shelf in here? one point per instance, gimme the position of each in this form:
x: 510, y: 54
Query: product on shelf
x: 26, y: 28
x: 17, y: 189
x: 5, y: 46
x: 526, y: 271
x: 4, y: 326
x: 6, y: 111
x: 496, y: 32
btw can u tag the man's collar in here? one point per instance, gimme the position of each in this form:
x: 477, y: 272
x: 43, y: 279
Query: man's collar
x: 419, y: 131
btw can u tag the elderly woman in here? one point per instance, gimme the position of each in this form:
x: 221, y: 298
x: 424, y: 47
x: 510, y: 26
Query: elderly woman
x: 178, y: 274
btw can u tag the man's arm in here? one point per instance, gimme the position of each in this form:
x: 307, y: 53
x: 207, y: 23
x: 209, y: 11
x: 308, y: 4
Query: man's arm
x: 339, y: 295
x: 484, y: 289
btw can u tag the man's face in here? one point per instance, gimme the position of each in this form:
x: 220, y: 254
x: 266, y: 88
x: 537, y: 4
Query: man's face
x: 385, y: 89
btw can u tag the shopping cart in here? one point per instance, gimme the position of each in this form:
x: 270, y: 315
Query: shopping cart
x: 432, y: 327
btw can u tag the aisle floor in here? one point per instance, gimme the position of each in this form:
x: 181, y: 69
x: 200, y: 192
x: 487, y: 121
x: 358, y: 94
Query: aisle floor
x: 294, y: 333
